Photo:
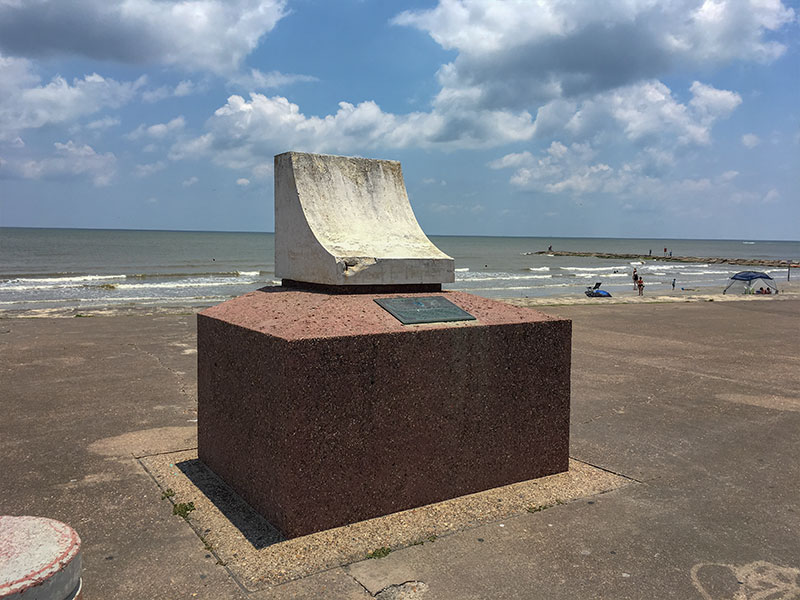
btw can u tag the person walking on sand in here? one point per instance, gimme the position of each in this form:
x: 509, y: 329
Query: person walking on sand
x: 640, y: 285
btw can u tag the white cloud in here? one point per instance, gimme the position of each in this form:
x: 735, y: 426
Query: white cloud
x: 551, y: 49
x: 26, y: 105
x: 159, y: 130
x: 243, y: 134
x: 189, y: 182
x: 771, y: 196
x: 70, y: 160
x: 148, y: 169
x: 242, y: 182
x: 185, y: 87
x: 258, y: 80
x: 213, y: 35
x: 750, y: 140
x: 103, y: 123
x: 645, y: 113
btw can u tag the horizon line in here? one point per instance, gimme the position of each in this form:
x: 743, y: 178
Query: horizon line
x: 585, y: 237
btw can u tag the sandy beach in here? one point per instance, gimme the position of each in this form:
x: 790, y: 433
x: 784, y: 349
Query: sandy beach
x: 692, y: 405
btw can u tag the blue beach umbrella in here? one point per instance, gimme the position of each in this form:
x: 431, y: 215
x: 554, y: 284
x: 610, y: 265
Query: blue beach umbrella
x: 749, y: 279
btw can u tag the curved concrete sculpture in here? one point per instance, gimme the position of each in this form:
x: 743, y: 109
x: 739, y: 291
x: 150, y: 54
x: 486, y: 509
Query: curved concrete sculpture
x: 345, y: 221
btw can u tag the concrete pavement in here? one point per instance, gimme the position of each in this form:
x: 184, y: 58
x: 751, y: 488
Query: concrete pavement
x: 698, y: 403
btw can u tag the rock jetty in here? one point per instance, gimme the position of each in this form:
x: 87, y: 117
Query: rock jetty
x: 757, y: 262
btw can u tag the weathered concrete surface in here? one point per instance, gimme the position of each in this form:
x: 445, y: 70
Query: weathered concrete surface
x: 260, y: 558
x: 698, y: 401
x: 80, y: 398
x: 348, y: 221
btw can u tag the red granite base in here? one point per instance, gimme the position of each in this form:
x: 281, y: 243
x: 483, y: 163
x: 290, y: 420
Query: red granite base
x: 322, y: 409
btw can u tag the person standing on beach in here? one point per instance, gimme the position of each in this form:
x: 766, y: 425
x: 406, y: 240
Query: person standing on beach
x: 673, y: 285
x: 640, y: 285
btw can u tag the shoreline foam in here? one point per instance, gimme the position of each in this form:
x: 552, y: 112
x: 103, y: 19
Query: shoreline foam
x: 686, y: 296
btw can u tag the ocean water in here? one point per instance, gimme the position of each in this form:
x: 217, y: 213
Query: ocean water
x: 90, y: 268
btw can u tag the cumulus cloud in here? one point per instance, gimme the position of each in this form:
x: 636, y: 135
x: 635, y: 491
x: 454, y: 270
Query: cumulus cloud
x: 242, y: 182
x: 212, y: 35
x: 145, y: 170
x: 557, y: 169
x: 189, y: 182
x: 159, y: 130
x: 243, y: 134
x: 258, y: 80
x: 750, y: 140
x: 515, y: 54
x: 575, y: 171
x: 648, y: 111
x: 25, y: 104
x: 183, y: 88
x: 70, y: 160
x: 103, y: 123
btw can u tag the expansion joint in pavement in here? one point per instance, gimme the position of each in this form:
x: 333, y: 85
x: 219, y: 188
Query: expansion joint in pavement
x: 138, y: 456
x: 199, y: 535
x: 628, y: 477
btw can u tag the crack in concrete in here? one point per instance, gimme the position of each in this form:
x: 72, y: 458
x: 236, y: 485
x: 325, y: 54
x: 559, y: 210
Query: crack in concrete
x: 178, y: 374
x: 408, y: 590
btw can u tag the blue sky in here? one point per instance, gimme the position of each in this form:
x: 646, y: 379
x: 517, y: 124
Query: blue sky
x: 641, y: 119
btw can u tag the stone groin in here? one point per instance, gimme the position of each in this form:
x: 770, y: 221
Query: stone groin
x: 752, y: 262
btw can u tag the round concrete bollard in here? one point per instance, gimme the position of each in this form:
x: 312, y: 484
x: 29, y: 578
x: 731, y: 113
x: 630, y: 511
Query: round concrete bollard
x: 40, y: 559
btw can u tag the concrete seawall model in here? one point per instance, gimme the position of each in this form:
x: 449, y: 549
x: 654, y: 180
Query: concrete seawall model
x: 347, y: 221
x: 684, y: 259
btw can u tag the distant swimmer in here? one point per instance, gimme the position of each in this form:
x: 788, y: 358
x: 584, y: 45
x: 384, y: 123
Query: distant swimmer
x: 550, y: 248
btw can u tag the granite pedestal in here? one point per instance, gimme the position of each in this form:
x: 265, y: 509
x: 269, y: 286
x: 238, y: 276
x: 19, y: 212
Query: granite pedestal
x: 322, y: 409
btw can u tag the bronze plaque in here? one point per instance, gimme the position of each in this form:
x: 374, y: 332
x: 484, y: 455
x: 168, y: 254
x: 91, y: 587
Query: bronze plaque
x: 428, y: 309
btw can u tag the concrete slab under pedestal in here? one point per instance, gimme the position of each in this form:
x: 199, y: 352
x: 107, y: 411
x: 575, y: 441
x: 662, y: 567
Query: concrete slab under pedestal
x: 322, y: 409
